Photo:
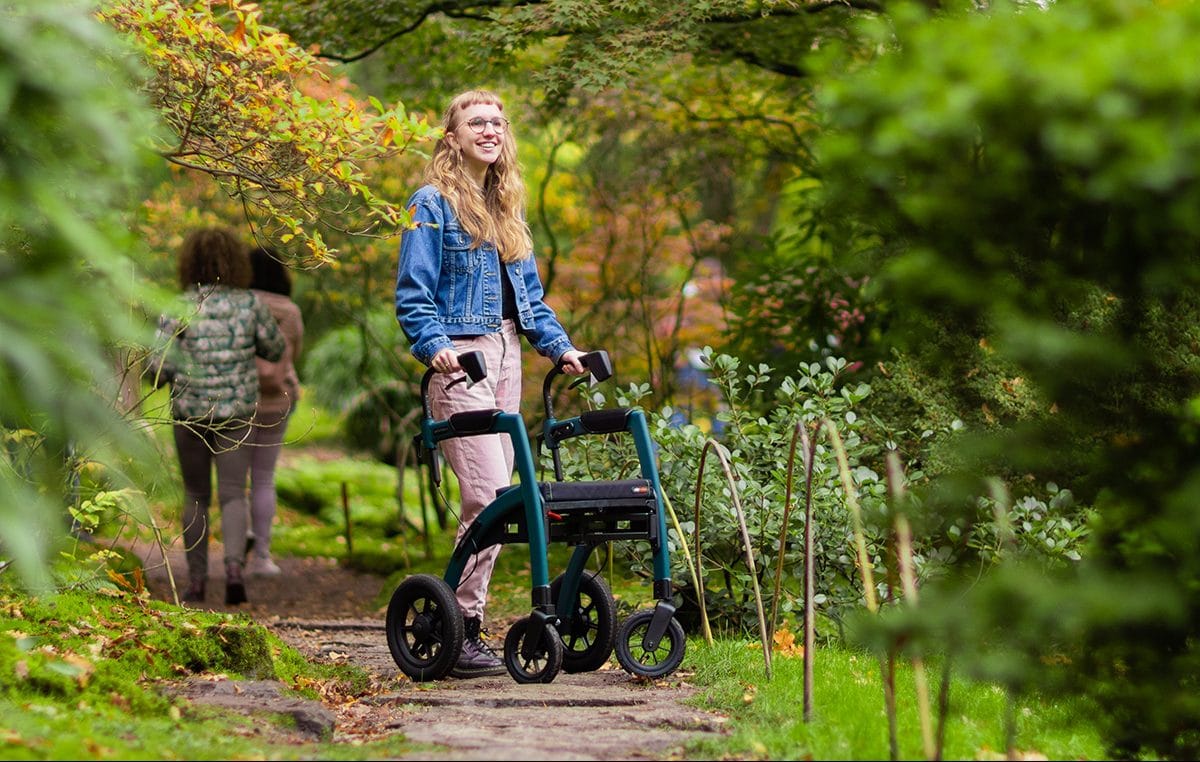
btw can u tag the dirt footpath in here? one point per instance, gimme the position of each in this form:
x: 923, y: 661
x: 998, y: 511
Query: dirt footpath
x: 326, y: 613
x: 605, y: 714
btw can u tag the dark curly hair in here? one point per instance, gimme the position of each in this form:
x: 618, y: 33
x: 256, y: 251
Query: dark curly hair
x: 211, y: 256
x: 270, y: 274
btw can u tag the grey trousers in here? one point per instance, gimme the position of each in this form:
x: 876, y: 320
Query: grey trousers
x: 200, y: 446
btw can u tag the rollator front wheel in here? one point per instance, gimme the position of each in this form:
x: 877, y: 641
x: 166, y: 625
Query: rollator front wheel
x: 637, y: 658
x: 543, y: 662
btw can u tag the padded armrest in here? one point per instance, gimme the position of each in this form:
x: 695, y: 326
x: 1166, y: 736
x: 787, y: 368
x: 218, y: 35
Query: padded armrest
x: 474, y: 421
x: 604, y: 421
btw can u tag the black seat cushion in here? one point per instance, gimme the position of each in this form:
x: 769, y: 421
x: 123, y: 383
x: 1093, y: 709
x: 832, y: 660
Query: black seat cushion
x: 610, y: 490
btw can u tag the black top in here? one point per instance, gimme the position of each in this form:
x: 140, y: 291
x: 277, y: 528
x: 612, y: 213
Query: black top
x: 509, y: 311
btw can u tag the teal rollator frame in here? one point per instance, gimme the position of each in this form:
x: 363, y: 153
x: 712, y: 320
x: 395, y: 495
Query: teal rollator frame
x: 572, y: 623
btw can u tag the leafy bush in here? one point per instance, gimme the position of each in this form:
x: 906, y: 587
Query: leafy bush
x: 796, y: 301
x: 758, y: 447
x: 756, y: 430
x: 362, y: 372
x: 1066, y: 240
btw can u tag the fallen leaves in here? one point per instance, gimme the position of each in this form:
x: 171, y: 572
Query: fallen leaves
x: 786, y: 645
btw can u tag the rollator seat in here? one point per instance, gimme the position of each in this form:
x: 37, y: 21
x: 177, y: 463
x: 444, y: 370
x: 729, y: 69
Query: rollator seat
x: 620, y: 491
x: 593, y: 512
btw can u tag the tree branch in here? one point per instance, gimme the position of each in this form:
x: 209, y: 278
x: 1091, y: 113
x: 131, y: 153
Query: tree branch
x: 450, y: 9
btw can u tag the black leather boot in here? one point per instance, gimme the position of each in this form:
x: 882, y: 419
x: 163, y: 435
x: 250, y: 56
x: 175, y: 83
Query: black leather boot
x: 235, y: 586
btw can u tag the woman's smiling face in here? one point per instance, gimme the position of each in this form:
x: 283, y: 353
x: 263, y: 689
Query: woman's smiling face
x: 480, y: 149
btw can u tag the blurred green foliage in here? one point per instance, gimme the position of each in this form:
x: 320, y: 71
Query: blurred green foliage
x: 1034, y: 172
x: 71, y: 130
x: 365, y: 373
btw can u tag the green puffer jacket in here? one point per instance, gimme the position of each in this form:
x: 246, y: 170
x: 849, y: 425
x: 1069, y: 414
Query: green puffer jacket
x: 210, y: 351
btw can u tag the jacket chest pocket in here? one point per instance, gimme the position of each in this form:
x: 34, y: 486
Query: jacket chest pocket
x: 459, y: 256
x: 462, y: 268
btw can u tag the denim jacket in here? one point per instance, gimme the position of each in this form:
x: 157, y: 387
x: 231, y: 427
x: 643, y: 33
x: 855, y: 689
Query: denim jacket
x: 445, y: 288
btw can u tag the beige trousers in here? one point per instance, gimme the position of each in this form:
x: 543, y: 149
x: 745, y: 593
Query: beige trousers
x: 482, y: 464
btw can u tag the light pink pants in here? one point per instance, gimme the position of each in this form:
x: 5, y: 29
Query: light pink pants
x: 482, y: 464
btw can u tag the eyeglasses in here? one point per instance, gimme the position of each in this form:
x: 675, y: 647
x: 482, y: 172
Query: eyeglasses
x: 499, y: 124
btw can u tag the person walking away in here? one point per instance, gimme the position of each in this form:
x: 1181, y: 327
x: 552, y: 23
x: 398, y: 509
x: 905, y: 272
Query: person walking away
x: 467, y: 280
x: 208, y: 351
x: 278, y: 393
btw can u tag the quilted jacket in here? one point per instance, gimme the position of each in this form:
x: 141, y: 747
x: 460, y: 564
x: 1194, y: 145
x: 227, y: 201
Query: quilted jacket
x: 210, y: 352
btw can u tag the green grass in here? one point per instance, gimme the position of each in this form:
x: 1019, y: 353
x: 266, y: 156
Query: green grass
x: 848, y: 719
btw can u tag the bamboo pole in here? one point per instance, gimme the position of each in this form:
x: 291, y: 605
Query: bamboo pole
x: 787, y: 510
x: 746, y: 543
x: 908, y: 583
x: 808, y: 452
x: 865, y: 568
x: 708, y: 638
x: 346, y: 513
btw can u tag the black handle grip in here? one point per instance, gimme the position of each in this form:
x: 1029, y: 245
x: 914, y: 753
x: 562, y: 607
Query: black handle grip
x: 598, y: 364
x: 474, y: 364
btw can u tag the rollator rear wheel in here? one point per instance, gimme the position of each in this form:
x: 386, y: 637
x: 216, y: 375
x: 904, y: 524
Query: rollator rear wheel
x: 424, y: 627
x: 589, y: 629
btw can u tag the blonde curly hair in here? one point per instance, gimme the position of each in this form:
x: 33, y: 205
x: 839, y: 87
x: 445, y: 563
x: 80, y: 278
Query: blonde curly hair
x: 496, y: 215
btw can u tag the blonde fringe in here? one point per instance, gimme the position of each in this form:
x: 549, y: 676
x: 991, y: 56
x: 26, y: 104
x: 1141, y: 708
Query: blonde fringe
x: 496, y: 213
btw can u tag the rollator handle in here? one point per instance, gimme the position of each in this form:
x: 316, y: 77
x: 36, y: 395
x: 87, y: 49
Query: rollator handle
x: 474, y: 364
x: 598, y: 364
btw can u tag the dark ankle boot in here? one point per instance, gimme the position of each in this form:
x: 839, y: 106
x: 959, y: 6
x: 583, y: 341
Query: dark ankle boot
x: 194, y: 592
x: 235, y: 586
x: 477, y: 658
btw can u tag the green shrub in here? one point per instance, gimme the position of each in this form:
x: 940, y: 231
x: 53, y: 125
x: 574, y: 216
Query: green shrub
x: 1031, y: 175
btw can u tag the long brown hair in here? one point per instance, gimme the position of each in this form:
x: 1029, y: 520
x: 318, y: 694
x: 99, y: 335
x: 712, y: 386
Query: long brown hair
x: 498, y: 214
x: 213, y: 256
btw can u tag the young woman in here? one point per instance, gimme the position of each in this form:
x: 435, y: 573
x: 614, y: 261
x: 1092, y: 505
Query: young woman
x: 467, y: 281
x: 278, y: 392
x: 209, y: 348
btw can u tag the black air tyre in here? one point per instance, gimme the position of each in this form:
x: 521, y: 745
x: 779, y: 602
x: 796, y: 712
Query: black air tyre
x: 590, y: 628
x: 424, y: 627
x: 543, y: 664
x: 638, y: 660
